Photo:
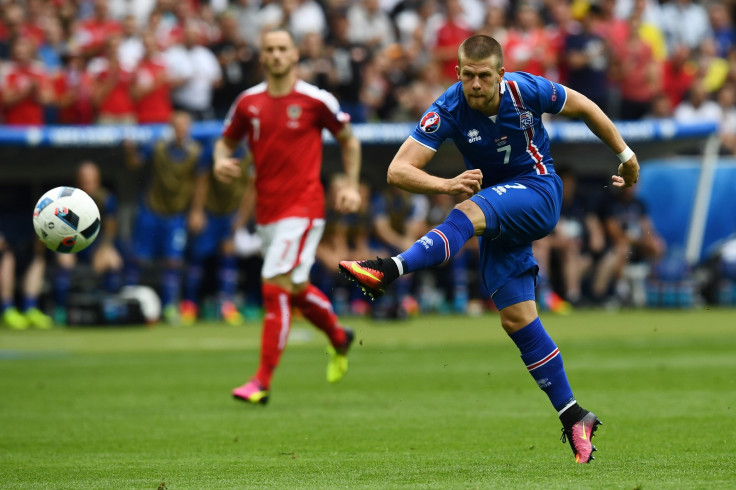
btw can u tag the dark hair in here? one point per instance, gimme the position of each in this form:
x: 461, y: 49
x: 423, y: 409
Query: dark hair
x: 480, y: 47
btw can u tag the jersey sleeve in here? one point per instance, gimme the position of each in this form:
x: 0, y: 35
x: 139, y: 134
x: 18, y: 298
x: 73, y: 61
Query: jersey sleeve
x: 331, y: 116
x: 551, y: 95
x: 434, y: 127
x: 235, y: 123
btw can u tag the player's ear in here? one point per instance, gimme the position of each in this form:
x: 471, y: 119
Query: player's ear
x: 457, y: 71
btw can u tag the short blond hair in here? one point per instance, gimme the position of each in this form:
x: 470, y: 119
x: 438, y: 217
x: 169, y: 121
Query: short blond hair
x: 480, y: 47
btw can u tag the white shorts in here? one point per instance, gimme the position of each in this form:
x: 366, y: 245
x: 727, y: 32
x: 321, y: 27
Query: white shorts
x: 289, y: 247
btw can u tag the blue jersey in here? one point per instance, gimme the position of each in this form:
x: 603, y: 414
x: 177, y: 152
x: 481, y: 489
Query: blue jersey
x: 520, y: 190
x: 511, y: 144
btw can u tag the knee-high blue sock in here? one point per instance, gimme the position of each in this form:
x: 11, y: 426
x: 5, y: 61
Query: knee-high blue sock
x: 228, y: 276
x: 171, y: 285
x: 30, y: 301
x: 62, y: 286
x: 193, y: 280
x: 439, y: 244
x: 112, y: 280
x: 544, y: 363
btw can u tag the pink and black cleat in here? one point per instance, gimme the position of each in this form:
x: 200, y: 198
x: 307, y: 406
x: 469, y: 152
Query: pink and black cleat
x: 579, y: 436
x: 251, y: 392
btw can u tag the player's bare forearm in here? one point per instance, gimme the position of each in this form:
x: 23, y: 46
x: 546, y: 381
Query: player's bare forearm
x: 348, y: 198
x: 351, y: 155
x: 201, y: 188
x: 247, y: 205
x: 197, y: 218
x: 226, y: 168
x: 110, y: 225
x: 407, y: 172
x: 579, y: 106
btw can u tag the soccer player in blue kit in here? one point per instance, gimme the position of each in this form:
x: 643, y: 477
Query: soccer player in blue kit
x: 495, y: 120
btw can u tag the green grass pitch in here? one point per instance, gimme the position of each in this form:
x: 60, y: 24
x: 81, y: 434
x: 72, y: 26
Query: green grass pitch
x: 433, y: 402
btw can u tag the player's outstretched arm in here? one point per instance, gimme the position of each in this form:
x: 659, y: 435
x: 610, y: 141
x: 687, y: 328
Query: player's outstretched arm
x: 226, y: 168
x: 579, y: 106
x: 406, y: 172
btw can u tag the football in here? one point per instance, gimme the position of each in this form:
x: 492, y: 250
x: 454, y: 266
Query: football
x: 66, y: 219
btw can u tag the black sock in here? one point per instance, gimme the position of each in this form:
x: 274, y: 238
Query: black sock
x: 570, y: 416
x: 390, y: 270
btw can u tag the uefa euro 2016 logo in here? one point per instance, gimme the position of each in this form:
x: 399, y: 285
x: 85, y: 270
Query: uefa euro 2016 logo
x: 430, y: 122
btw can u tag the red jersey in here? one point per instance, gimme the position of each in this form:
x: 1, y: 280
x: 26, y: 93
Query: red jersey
x: 81, y: 110
x: 27, y: 110
x: 118, y: 101
x: 285, y: 138
x: 155, y: 106
x: 92, y: 34
x: 451, y: 34
x: 529, y: 51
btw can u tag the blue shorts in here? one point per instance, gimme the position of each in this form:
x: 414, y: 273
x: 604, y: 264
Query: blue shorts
x: 158, y: 236
x: 526, y: 209
x: 205, y: 244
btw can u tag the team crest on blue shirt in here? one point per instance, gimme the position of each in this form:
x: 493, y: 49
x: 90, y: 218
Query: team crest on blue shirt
x: 526, y: 120
x: 430, y: 122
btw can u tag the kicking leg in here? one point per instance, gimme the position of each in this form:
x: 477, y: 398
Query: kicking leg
x: 436, y: 247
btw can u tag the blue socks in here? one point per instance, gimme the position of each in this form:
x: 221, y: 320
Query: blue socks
x: 228, y: 276
x: 193, y: 280
x: 30, y: 301
x: 544, y: 363
x: 62, y: 286
x: 170, y: 285
x: 439, y: 244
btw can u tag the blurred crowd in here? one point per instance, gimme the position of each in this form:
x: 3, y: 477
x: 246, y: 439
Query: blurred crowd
x: 162, y: 61
x: 117, y: 61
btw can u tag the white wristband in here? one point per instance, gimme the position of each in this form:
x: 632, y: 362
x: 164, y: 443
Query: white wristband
x: 625, y: 155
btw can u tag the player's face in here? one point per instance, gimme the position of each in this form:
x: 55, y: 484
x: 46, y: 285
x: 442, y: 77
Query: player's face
x: 480, y: 79
x: 278, y: 53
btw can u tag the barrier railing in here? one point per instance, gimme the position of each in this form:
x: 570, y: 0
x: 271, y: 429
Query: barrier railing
x: 659, y: 130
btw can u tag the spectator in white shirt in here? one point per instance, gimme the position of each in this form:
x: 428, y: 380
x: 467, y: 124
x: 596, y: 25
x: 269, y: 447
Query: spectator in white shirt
x: 194, y: 95
x: 369, y: 25
x: 698, y: 106
x: 300, y: 17
x: 131, y: 48
x: 684, y: 22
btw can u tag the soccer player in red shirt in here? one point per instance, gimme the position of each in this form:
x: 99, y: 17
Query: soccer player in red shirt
x: 26, y: 87
x: 283, y: 119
